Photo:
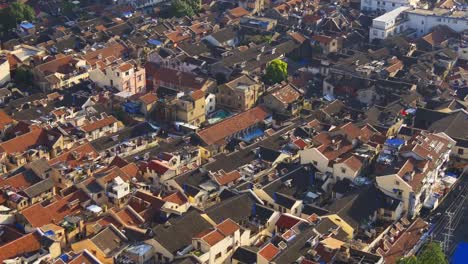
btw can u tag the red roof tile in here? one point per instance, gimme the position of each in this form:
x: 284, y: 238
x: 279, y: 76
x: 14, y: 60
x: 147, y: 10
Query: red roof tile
x: 218, y: 132
x: 38, y: 215
x: 5, y: 120
x: 224, y: 178
x: 177, y: 198
x: 148, y: 98
x: 286, y: 222
x: 100, y: 123
x: 213, y: 237
x: 26, y: 244
x: 269, y: 252
x: 228, y: 227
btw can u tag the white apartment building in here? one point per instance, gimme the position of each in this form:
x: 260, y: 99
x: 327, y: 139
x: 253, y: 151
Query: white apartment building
x: 388, y: 24
x: 417, y: 22
x: 4, y: 71
x: 424, y: 20
x: 386, y: 5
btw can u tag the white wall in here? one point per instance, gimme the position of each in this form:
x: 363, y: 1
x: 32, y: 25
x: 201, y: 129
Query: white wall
x: 424, y: 23
x: 387, y: 5
x: 210, y: 103
x: 4, y: 72
x: 314, y: 157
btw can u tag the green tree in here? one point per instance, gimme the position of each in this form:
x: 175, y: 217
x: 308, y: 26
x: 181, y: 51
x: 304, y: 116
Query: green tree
x: 23, y: 77
x: 67, y: 8
x: 276, y: 71
x: 408, y: 260
x: 14, y: 14
x: 182, y: 8
x: 432, y: 254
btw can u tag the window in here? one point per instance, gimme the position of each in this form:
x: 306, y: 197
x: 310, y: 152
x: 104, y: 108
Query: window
x: 218, y: 255
x: 99, y: 195
x: 397, y: 182
x: 422, y: 22
x: 393, y: 4
x: 343, y: 170
x: 461, y: 151
x: 118, y: 74
x: 139, y: 77
x: 315, y: 162
x: 127, y: 73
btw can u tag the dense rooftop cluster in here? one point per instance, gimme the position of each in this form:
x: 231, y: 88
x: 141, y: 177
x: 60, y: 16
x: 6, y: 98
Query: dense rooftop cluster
x: 131, y: 136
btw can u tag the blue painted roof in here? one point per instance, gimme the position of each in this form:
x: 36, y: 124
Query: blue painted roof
x: 26, y: 25
x: 461, y: 254
x: 395, y: 142
x: 154, y: 42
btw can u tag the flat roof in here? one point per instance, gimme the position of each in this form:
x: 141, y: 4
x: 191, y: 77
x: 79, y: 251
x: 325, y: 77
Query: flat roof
x: 392, y: 14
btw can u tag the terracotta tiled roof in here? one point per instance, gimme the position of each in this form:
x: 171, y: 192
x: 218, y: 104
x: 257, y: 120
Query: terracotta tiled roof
x: 177, y: 198
x: 109, y: 219
x: 125, y: 67
x: 60, y: 65
x: 19, y: 144
x: 351, y: 130
x: 287, y: 222
x: 322, y: 39
x: 213, y: 237
x: 38, y: 215
x: 300, y: 143
x: 218, y: 132
x: 128, y: 217
x: 198, y: 94
x: 353, y: 163
x: 395, y: 65
x: 228, y: 227
x: 158, y: 166
x: 19, y: 181
x: 175, y: 77
x: 224, y: 178
x: 269, y: 252
x: 84, y: 258
x: 297, y: 37
x: 76, y: 155
x: 148, y: 98
x: 178, y: 36
x: 287, y: 94
x: 26, y: 244
x: 238, y: 12
x: 114, y: 49
x: 405, y: 242
x: 5, y: 120
x: 131, y: 170
x: 100, y: 123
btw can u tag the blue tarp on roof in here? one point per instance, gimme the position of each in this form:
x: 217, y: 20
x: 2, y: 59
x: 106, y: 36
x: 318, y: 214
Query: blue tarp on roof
x: 451, y: 174
x: 131, y: 107
x: 155, y: 42
x: 461, y: 254
x: 395, y: 142
x: 65, y: 257
x: 127, y: 14
x: 26, y: 25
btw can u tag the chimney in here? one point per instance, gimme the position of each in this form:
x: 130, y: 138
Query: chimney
x: 259, y: 56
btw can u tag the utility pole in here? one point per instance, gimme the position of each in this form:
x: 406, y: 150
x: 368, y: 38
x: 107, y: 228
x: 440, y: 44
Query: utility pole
x: 448, y: 233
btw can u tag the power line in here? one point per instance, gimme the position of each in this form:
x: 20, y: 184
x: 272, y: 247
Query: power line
x: 448, y: 233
